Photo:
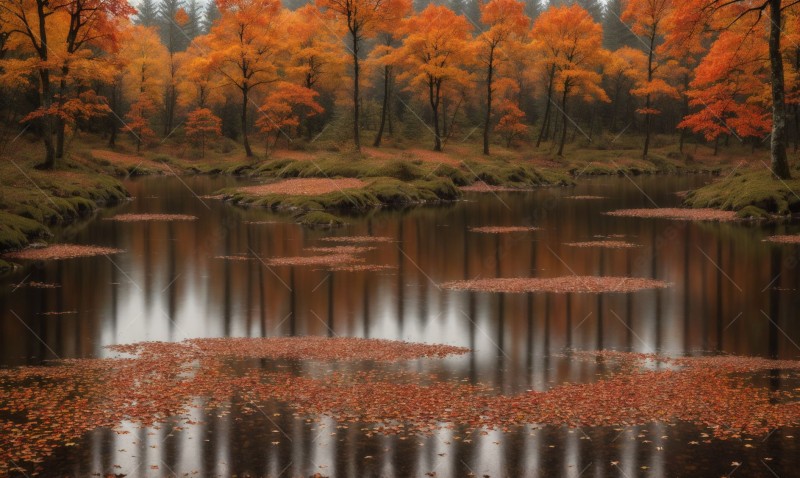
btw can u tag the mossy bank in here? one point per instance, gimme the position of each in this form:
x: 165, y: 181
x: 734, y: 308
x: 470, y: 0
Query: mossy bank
x: 751, y: 194
x: 32, y: 201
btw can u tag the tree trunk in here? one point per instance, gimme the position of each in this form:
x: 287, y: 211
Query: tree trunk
x: 46, y: 120
x: 356, y: 138
x: 685, y: 111
x: 796, y: 114
x: 112, y: 136
x: 647, y: 98
x: 389, y: 108
x: 171, y: 95
x: 487, y: 121
x: 45, y: 98
x: 646, y: 127
x: 170, y: 110
x: 445, y: 132
x: 60, y: 125
x: 614, y: 106
x: 386, y: 72
x: 546, y: 118
x: 247, y: 149
x: 564, y: 121
x: 780, y: 163
x: 433, y: 97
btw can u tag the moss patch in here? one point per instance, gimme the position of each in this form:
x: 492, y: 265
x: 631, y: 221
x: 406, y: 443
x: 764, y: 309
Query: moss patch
x: 755, y: 194
x: 377, y: 192
x: 320, y: 219
x: 31, y: 199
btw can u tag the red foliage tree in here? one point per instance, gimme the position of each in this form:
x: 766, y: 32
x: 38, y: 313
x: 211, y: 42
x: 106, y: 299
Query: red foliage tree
x: 202, y: 125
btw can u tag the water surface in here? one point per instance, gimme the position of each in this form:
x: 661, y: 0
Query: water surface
x: 730, y: 293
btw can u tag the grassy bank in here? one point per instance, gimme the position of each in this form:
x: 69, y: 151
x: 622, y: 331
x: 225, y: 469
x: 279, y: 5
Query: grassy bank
x: 752, y: 193
x: 32, y: 201
x: 396, y: 175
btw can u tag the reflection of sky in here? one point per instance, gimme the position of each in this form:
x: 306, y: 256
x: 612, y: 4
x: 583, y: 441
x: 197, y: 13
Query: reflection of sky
x: 171, y: 267
x: 170, y: 287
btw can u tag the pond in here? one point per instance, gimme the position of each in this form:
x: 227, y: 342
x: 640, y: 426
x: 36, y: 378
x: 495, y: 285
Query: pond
x: 730, y: 293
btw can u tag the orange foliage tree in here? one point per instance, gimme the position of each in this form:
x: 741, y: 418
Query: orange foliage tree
x: 203, y: 124
x: 769, y: 15
x: 511, y: 124
x: 318, y: 58
x: 142, y: 57
x: 137, y: 121
x: 622, y: 71
x: 60, y: 35
x: 729, y: 89
x: 507, y: 25
x: 436, y: 49
x: 388, y: 25
x: 647, y: 19
x: 247, y: 49
x: 283, y: 109
x: 568, y: 40
x: 362, y: 18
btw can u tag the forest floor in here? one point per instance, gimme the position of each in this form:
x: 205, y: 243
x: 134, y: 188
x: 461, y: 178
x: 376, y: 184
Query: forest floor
x: 394, y: 175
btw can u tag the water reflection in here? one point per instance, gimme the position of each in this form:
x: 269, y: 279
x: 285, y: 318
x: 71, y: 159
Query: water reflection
x: 731, y: 293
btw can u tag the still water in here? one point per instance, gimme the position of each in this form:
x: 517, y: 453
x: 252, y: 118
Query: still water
x: 730, y: 293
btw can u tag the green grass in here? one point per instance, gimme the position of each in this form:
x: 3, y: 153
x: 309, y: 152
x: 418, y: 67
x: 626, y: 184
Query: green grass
x: 750, y: 193
x: 31, y: 200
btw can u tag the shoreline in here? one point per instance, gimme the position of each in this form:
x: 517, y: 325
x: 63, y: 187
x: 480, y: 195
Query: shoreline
x: 89, y: 179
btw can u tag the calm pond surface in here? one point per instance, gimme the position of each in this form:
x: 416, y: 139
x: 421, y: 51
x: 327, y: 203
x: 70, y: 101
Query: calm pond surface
x: 730, y: 293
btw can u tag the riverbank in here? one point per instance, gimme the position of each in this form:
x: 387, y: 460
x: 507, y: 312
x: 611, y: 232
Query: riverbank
x: 33, y: 201
x: 751, y: 192
x: 400, y: 177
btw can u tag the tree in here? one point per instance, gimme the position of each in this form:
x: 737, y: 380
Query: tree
x: 92, y: 26
x: 202, y: 124
x: 284, y: 107
x: 436, y: 49
x: 143, y: 57
x: 147, y: 14
x: 173, y: 19
x: 511, y: 124
x: 647, y: 19
x: 569, y: 42
x: 728, y: 89
x: 137, y: 121
x: 593, y: 7
x: 247, y: 48
x: 193, y: 26
x: 361, y: 18
x: 616, y: 33
x: 725, y: 13
x: 210, y: 15
x: 532, y: 9
x: 59, y: 34
x: 388, y: 25
x: 506, y: 23
x: 318, y: 60
x: 622, y: 72
x: 198, y: 83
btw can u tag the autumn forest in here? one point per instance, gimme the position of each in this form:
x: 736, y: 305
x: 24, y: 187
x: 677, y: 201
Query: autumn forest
x: 262, y: 72
x: 411, y: 238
